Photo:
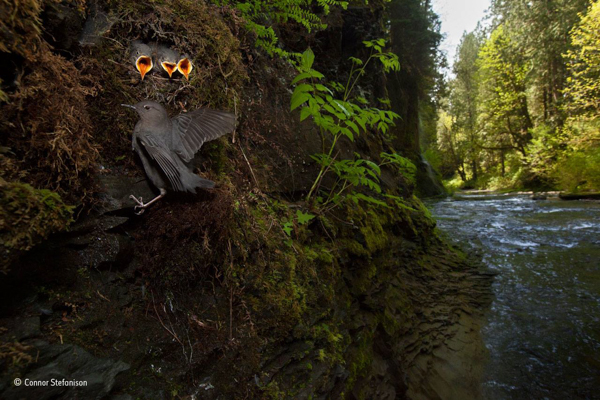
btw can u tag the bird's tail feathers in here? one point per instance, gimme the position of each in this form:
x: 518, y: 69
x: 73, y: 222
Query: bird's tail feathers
x: 192, y: 181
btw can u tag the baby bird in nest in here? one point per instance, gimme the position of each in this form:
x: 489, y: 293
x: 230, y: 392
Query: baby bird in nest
x: 167, y: 58
x: 141, y: 57
x: 184, y: 66
x: 167, y: 145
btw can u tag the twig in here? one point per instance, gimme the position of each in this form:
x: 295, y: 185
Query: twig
x: 230, y: 291
x: 163, y: 325
x: 100, y: 294
x: 249, y: 166
x: 221, y: 69
x: 230, y: 313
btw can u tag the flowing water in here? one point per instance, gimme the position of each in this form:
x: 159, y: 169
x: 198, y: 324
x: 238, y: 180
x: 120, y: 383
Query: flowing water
x: 543, y: 328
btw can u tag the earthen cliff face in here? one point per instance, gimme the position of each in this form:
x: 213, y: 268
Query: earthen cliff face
x: 207, y: 295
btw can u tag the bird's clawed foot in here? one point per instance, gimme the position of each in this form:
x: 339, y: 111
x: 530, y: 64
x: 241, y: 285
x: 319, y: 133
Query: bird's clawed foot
x: 141, y: 207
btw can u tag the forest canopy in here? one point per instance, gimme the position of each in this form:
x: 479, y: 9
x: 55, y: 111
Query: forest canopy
x: 522, y: 108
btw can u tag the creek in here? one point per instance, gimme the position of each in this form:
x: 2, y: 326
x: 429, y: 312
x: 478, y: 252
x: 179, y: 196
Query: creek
x: 542, y: 330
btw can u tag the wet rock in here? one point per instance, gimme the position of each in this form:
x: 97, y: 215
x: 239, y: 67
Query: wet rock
x: 27, y: 328
x: 20, y: 329
x: 116, y: 190
x: 539, y: 196
x: 428, y: 180
x: 71, y: 363
x: 579, y: 196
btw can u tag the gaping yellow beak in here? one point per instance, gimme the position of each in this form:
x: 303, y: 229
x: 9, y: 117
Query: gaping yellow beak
x: 169, y: 67
x: 185, y: 67
x: 144, y: 65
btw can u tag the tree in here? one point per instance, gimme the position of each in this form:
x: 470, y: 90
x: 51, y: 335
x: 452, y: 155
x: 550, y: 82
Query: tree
x: 503, y: 110
x: 415, y: 37
x: 451, y: 145
x: 539, y: 29
x: 583, y: 84
x: 463, y: 98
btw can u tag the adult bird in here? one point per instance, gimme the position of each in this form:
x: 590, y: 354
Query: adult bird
x: 185, y: 66
x: 141, y: 57
x: 167, y: 58
x: 167, y: 145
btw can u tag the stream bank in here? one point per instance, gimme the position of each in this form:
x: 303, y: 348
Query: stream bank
x: 394, y: 313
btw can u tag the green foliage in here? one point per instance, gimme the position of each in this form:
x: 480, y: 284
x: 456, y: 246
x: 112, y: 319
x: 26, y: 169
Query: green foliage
x: 545, y: 148
x: 301, y: 12
x: 538, y: 29
x: 503, y: 115
x: 404, y: 165
x: 583, y: 84
x: 27, y: 216
x: 301, y: 218
x: 342, y: 117
x: 579, y: 170
x: 521, y: 133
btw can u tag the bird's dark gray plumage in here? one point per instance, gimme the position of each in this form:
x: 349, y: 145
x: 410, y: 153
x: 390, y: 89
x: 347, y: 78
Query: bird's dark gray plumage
x: 166, y: 145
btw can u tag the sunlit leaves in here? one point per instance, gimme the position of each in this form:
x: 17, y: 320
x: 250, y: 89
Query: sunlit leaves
x: 583, y: 86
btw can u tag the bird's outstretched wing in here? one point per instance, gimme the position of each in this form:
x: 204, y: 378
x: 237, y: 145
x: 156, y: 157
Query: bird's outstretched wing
x: 168, y: 164
x: 191, y: 130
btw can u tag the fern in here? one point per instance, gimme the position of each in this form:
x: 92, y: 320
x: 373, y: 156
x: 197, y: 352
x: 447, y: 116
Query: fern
x: 256, y: 12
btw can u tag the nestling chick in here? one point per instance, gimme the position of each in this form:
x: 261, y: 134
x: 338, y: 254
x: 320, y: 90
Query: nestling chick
x: 185, y: 66
x: 167, y: 59
x: 141, y: 57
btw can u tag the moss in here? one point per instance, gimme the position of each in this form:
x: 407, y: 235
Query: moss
x: 374, y: 235
x: 20, y: 26
x: 27, y: 216
x: 353, y: 247
x: 360, y: 357
x: 52, y: 142
x: 189, y: 27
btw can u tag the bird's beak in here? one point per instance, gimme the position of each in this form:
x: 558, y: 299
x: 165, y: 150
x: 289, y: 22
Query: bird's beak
x: 144, y: 65
x: 169, y: 67
x: 185, y: 67
x: 127, y: 105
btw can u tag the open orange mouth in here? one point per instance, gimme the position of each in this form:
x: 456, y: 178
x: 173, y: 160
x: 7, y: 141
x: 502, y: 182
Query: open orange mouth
x: 169, y: 67
x: 185, y: 67
x: 144, y: 65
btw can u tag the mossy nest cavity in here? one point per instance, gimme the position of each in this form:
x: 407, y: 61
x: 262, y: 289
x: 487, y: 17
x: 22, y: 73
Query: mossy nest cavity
x: 193, y: 28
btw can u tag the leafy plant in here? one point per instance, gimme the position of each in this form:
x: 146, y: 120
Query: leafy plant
x: 301, y: 218
x: 256, y: 12
x: 337, y: 115
x: 404, y: 165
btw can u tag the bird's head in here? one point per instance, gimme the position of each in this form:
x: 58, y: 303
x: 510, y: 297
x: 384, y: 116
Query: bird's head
x: 149, y: 111
x: 167, y: 58
x: 141, y: 55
